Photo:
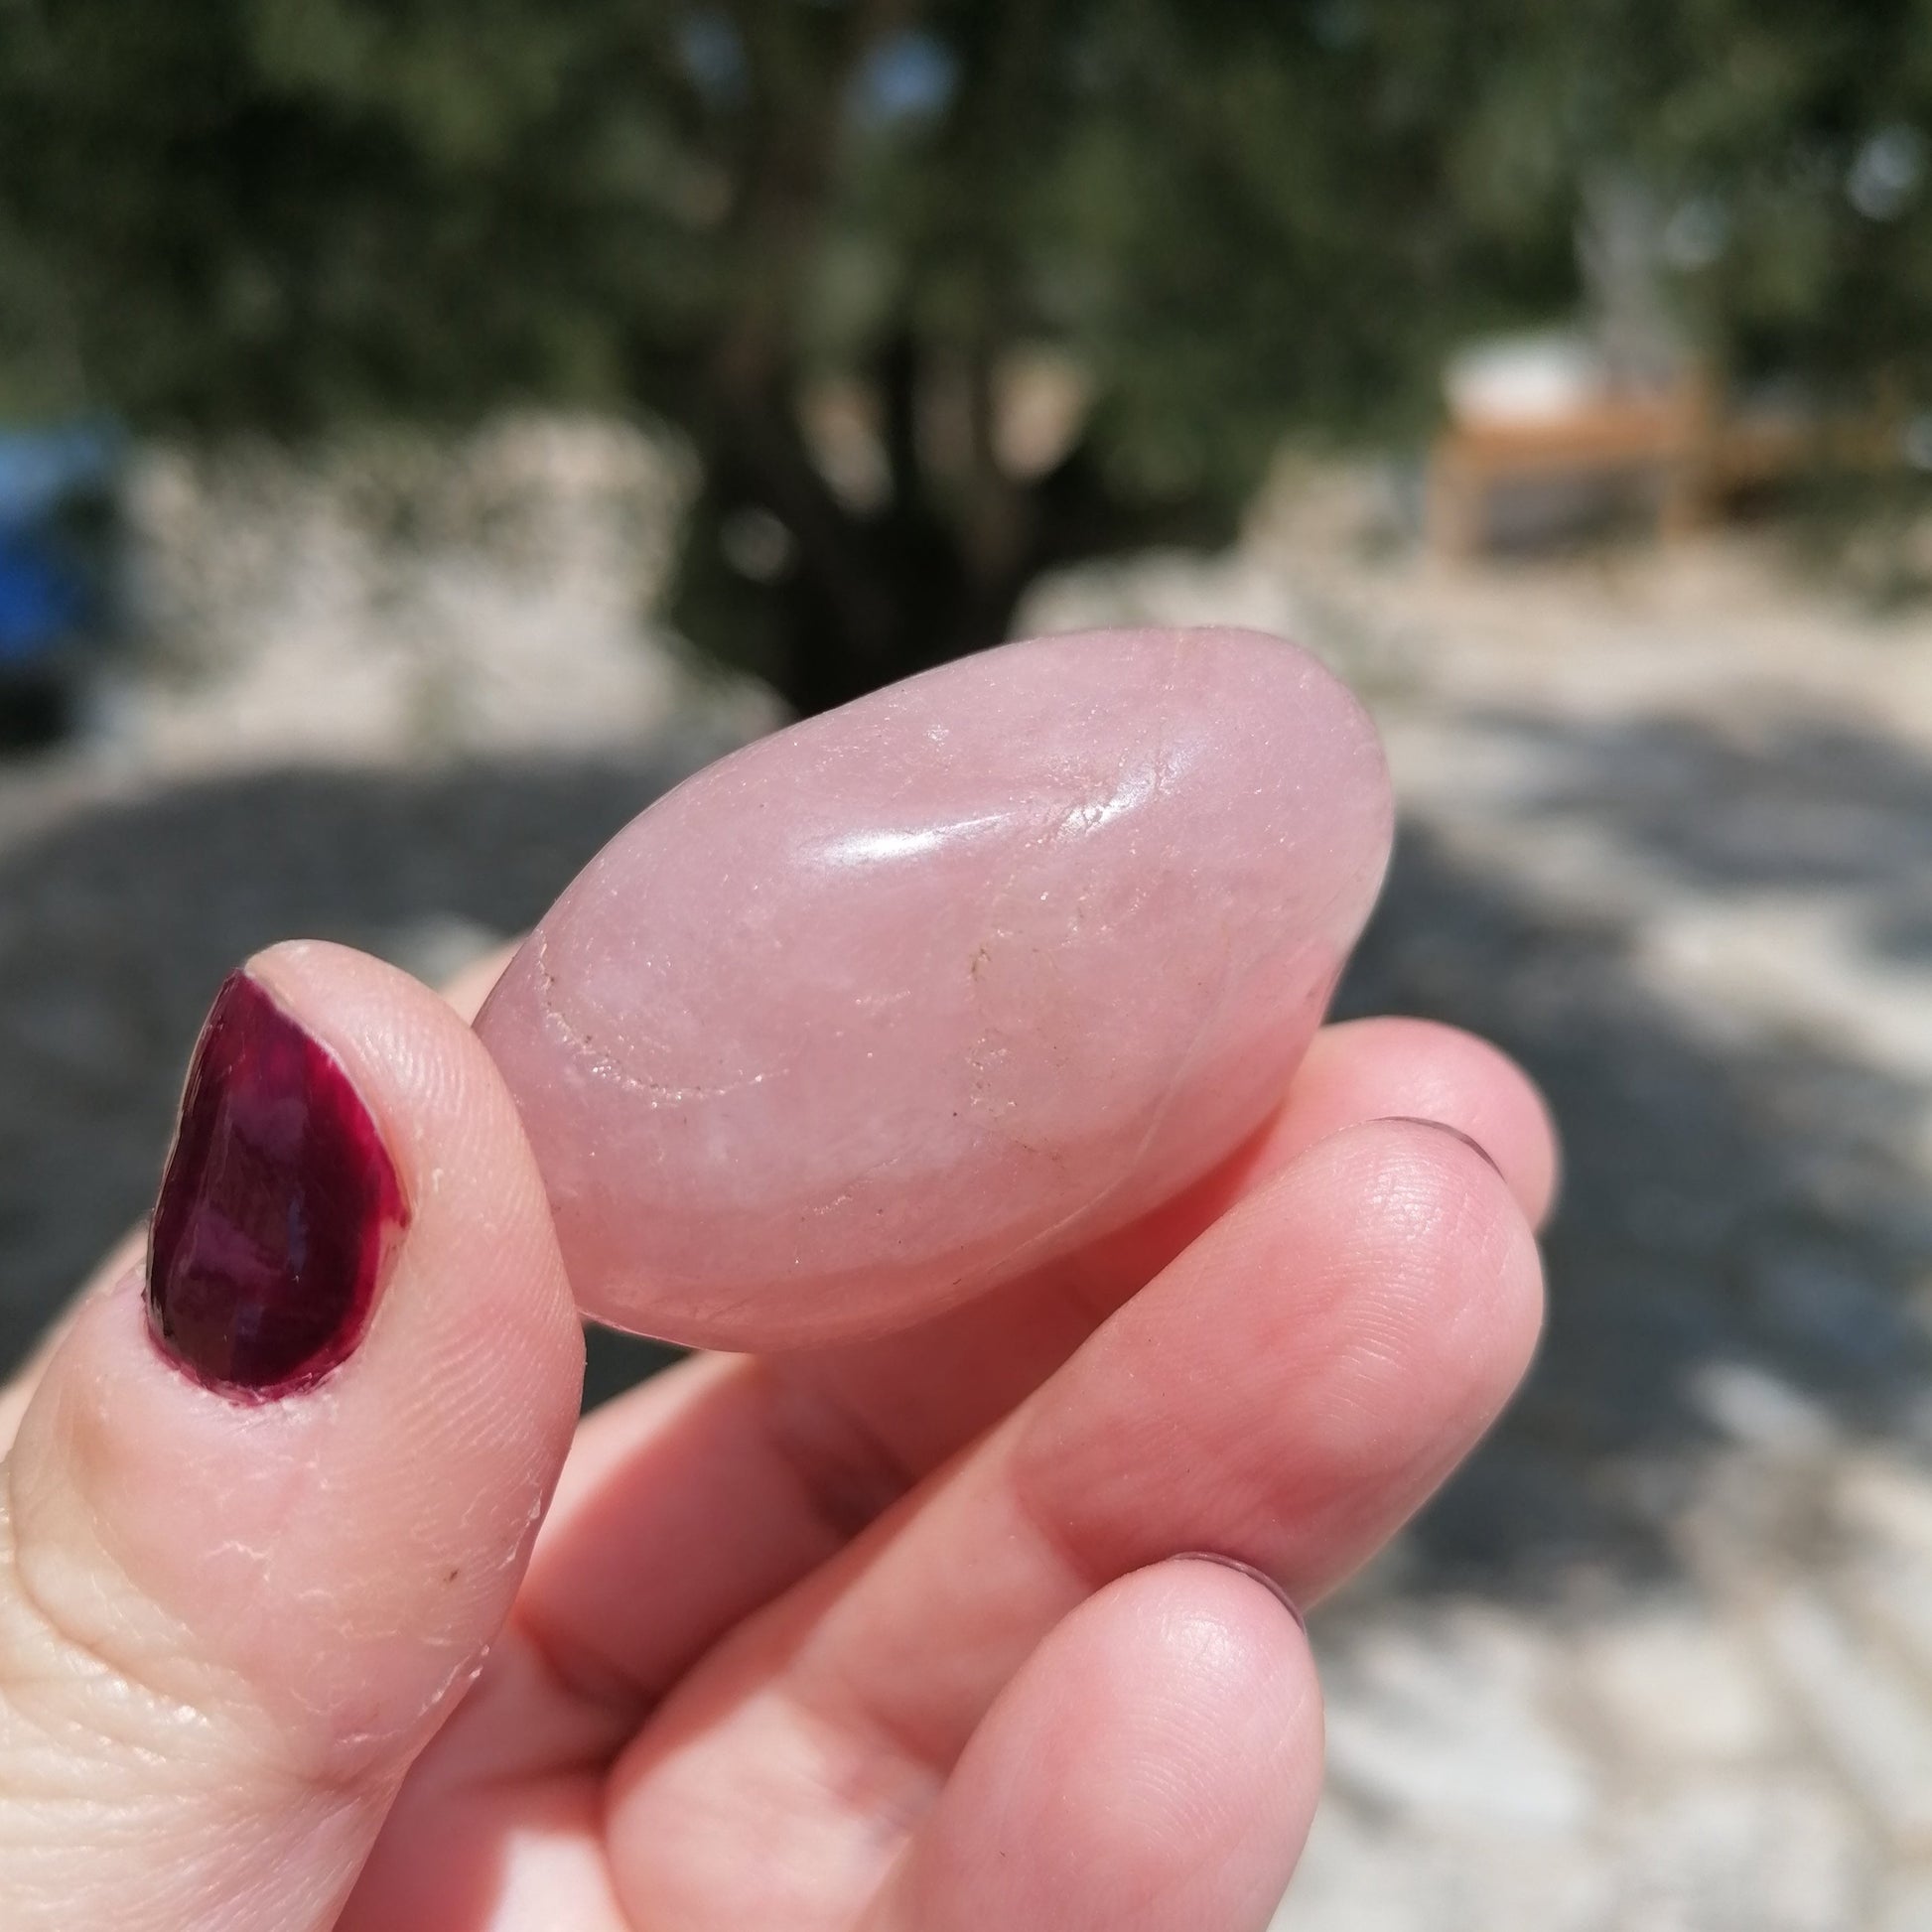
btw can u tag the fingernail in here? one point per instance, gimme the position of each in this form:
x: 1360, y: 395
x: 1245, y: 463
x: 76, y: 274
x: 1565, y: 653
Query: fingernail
x: 1261, y: 1576
x: 1442, y: 1127
x: 280, y: 1209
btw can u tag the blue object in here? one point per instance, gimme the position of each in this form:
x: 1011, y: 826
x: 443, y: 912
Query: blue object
x: 42, y: 603
x: 59, y: 490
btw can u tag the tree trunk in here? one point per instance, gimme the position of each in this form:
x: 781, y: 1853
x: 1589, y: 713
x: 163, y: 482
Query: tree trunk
x: 826, y: 601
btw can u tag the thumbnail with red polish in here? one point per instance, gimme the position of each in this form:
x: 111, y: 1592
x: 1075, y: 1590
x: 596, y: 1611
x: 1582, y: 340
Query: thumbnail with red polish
x: 280, y: 1210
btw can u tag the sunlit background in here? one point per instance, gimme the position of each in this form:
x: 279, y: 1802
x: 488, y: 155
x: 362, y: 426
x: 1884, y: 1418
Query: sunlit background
x: 428, y: 428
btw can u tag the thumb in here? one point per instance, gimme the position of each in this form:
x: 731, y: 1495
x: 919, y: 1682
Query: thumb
x: 260, y: 1522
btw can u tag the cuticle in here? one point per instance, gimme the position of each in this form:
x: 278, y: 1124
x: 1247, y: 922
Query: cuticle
x: 1253, y: 1573
x: 1467, y: 1139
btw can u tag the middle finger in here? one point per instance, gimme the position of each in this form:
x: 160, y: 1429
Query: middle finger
x: 693, y: 1501
x: 1286, y: 1394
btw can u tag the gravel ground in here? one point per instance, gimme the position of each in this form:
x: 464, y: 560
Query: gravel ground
x: 1662, y: 1657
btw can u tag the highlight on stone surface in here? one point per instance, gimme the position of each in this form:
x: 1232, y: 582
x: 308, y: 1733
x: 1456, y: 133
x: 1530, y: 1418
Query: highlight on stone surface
x: 886, y: 1009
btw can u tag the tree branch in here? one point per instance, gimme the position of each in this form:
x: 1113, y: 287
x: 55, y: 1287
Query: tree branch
x: 781, y: 208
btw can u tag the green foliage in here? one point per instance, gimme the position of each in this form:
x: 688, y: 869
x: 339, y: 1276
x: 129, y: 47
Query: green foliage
x: 1231, y: 217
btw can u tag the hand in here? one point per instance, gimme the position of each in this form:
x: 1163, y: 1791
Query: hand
x: 902, y: 1634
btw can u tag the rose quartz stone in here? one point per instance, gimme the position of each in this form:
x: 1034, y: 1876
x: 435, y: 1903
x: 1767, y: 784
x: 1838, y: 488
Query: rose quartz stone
x: 895, y: 1005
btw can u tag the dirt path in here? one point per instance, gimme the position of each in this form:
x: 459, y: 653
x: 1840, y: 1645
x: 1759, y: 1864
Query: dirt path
x: 1662, y: 1657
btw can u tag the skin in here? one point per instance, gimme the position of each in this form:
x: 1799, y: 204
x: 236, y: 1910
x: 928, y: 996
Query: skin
x: 898, y: 1634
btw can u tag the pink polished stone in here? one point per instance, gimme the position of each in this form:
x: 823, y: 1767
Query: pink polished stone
x: 889, y: 1007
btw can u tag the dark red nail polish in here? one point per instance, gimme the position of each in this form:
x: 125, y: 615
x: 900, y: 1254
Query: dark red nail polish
x: 280, y: 1209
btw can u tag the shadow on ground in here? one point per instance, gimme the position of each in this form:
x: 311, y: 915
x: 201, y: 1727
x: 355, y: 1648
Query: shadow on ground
x: 1785, y: 804
x: 1724, y: 1204
x: 1749, y: 1206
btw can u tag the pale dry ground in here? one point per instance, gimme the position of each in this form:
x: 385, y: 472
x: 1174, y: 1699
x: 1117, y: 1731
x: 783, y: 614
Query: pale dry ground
x: 1663, y: 1658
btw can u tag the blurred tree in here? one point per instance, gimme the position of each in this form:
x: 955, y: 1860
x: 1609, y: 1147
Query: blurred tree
x: 1783, y: 146
x: 941, y: 292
